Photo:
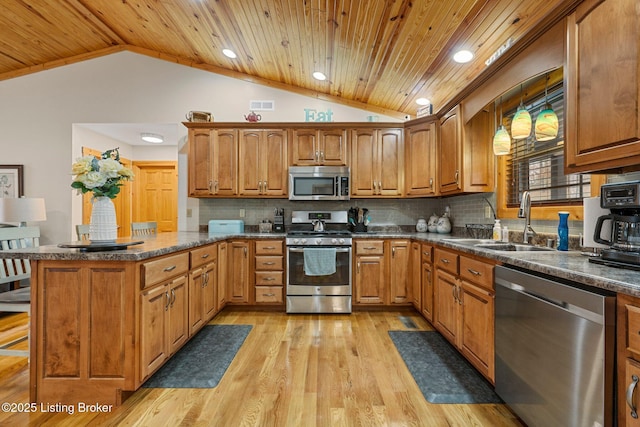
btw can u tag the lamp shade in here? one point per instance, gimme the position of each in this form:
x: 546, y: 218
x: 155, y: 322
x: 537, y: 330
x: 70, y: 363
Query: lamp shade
x: 546, y: 124
x: 521, y: 124
x: 501, y: 142
x: 22, y: 210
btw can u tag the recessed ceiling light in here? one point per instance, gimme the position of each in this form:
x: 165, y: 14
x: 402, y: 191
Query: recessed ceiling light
x: 229, y: 53
x: 423, y: 101
x: 463, y: 56
x: 319, y: 76
x: 152, y: 137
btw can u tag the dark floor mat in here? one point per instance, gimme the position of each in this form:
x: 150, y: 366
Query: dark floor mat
x: 202, y: 361
x: 442, y: 374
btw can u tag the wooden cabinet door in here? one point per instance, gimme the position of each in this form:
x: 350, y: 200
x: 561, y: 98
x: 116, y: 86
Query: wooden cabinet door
x: 399, y: 277
x: 210, y: 291
x: 478, y: 173
x: 416, y: 276
x: 477, y: 328
x: 390, y: 162
x: 196, y: 286
x: 446, y: 307
x: 427, y: 291
x: 450, y: 152
x: 274, y: 166
x: 223, y: 278
x: 369, y: 279
x: 263, y: 163
x: 333, y: 147
x: 238, y: 282
x: 364, y: 153
x: 154, y: 351
x: 200, y: 162
x: 304, y: 146
x: 178, y: 313
x: 420, y: 159
x: 603, y: 86
x: 225, y: 162
x: 250, y: 173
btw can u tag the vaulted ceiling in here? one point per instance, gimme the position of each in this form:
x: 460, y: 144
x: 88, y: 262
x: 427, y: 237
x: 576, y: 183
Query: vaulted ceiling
x: 378, y: 55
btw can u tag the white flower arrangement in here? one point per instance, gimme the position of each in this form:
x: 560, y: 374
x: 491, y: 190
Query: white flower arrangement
x: 102, y: 176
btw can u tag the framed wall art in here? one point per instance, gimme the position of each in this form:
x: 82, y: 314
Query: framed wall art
x: 11, y: 181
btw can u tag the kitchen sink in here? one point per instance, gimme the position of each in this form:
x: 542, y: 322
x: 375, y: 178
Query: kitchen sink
x: 513, y: 247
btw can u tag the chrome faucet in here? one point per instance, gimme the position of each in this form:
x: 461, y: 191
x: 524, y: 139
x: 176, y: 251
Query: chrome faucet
x: 525, y: 212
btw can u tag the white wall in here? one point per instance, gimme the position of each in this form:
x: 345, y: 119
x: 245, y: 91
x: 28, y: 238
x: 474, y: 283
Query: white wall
x: 37, y: 113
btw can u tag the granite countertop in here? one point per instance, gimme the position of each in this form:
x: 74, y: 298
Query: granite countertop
x: 570, y: 265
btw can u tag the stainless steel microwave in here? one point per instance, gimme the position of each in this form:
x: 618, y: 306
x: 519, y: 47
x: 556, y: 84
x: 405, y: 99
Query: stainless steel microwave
x: 318, y: 183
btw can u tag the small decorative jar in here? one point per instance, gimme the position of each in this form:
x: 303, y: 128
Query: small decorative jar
x: 432, y: 226
x: 421, y: 225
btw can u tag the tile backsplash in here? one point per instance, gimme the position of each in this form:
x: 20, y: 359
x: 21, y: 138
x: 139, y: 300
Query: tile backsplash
x: 466, y: 209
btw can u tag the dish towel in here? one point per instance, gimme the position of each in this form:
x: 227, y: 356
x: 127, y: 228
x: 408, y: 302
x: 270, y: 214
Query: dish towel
x: 319, y: 261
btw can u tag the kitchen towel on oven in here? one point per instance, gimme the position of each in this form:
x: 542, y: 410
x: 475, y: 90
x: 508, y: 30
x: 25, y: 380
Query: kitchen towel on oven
x: 319, y: 261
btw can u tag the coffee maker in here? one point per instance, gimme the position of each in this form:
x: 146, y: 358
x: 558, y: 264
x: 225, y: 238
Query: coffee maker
x: 623, y: 237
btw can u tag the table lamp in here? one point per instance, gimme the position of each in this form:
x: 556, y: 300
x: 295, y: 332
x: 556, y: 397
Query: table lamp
x: 22, y: 210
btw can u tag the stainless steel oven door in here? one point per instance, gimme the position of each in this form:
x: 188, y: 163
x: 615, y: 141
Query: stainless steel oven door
x: 298, y: 283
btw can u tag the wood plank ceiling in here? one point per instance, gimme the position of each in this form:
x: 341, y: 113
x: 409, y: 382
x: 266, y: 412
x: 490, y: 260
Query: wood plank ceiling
x: 378, y: 55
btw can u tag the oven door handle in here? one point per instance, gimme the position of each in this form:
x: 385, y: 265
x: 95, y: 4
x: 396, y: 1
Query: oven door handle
x: 302, y: 249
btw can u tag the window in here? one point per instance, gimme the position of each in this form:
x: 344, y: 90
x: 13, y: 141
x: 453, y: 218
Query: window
x: 538, y: 166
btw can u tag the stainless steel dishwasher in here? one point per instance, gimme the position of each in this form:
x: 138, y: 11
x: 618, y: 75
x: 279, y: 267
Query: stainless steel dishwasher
x: 555, y: 350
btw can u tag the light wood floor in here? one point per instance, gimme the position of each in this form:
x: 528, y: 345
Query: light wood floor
x: 293, y: 370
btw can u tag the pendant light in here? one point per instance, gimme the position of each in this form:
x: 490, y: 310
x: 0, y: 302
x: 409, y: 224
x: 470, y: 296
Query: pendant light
x: 501, y: 140
x: 521, y: 123
x: 547, y: 121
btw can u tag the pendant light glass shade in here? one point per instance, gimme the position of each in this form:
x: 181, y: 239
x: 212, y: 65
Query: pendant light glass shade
x: 546, y: 124
x: 521, y: 124
x: 501, y: 142
x: 547, y: 120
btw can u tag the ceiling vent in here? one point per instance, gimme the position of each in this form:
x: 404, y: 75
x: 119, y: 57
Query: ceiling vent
x: 262, y: 105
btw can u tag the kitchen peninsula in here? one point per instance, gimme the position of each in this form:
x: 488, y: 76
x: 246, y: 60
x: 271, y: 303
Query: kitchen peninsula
x: 93, y: 313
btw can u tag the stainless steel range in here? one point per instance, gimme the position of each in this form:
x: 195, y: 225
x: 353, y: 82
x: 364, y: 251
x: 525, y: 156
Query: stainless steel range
x: 319, y: 263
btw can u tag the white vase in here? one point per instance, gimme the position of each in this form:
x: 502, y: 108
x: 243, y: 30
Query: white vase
x: 103, y: 227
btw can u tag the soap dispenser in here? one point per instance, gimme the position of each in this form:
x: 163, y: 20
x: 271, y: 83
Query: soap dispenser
x: 497, y: 230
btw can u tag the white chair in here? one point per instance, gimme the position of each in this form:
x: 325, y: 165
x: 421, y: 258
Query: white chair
x: 149, y: 228
x: 12, y: 271
x: 82, y: 231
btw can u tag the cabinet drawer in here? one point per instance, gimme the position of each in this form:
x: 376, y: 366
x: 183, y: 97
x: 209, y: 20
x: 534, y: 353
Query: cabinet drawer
x: 476, y: 271
x: 427, y: 253
x: 269, y: 294
x: 269, y: 263
x: 368, y: 247
x: 203, y: 255
x: 446, y: 260
x: 633, y: 328
x: 164, y: 268
x: 269, y: 247
x: 269, y: 278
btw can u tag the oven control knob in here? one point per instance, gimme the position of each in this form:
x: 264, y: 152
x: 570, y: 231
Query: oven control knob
x: 303, y: 241
x: 318, y: 241
x: 295, y: 241
x: 342, y: 241
x: 334, y: 241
